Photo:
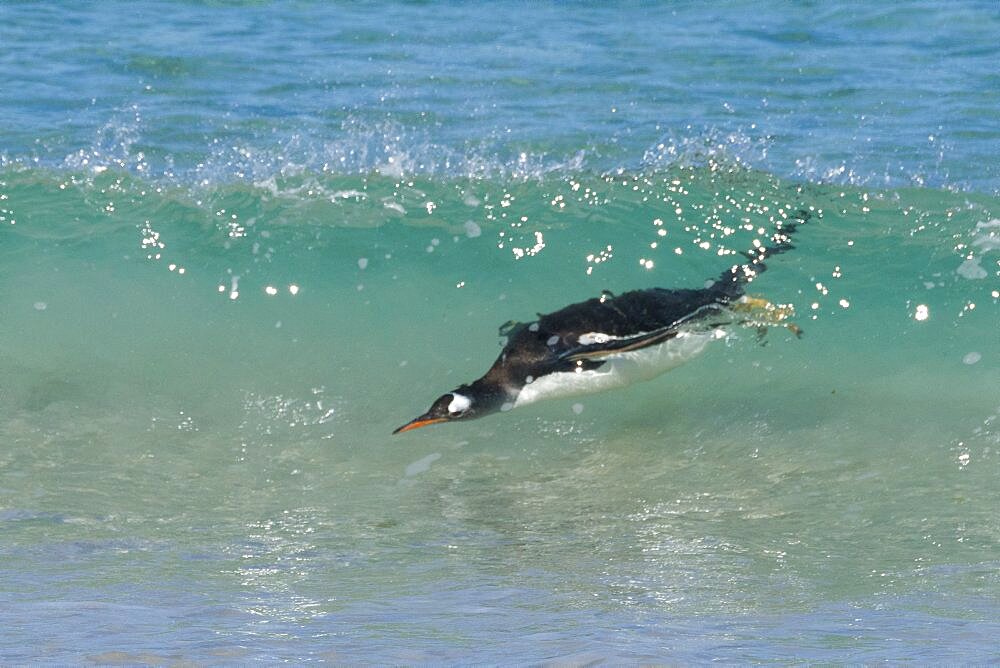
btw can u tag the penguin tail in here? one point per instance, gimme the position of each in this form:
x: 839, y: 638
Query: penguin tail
x: 733, y: 281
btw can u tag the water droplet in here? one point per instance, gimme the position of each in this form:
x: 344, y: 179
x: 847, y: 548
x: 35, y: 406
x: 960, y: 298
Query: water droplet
x: 472, y: 229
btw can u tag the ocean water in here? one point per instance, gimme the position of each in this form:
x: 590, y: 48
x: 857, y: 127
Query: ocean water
x: 240, y: 243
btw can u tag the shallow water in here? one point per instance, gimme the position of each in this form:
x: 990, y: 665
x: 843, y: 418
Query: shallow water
x: 240, y: 244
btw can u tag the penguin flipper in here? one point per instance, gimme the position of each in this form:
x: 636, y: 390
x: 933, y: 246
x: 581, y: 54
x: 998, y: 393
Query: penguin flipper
x: 611, y: 347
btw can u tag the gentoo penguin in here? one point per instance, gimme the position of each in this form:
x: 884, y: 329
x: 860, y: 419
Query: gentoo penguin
x: 611, y: 341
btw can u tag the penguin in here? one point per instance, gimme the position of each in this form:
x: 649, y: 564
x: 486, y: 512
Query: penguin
x: 612, y: 341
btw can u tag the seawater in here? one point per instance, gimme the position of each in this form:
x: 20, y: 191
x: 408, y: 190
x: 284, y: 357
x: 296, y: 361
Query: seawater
x: 239, y: 244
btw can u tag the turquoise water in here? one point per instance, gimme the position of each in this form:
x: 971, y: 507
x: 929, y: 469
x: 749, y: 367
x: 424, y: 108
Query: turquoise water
x: 240, y: 243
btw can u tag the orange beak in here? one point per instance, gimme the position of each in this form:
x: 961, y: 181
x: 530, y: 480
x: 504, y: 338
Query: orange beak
x: 421, y: 421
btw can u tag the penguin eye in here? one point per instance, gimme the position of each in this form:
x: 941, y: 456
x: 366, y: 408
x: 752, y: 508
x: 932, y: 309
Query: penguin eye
x: 459, y: 405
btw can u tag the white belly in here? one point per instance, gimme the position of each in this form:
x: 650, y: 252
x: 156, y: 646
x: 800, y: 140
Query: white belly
x: 620, y: 369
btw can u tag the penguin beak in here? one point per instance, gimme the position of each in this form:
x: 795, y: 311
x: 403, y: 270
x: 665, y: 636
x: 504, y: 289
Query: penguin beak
x: 416, y: 423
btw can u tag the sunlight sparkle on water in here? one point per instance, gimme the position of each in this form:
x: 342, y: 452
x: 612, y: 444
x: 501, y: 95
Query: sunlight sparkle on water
x: 534, y: 250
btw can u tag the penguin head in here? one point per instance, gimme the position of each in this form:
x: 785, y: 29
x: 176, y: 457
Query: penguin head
x: 462, y: 403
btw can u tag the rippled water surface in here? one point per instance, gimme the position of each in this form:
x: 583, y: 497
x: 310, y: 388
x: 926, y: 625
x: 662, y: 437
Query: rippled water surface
x: 240, y: 243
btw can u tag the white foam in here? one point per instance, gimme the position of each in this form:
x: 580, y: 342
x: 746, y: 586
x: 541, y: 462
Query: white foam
x: 971, y: 269
x: 392, y: 168
x: 393, y: 205
x: 347, y: 194
x: 986, y: 236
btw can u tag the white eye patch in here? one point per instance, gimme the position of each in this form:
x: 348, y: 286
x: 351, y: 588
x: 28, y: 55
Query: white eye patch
x: 459, y: 403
